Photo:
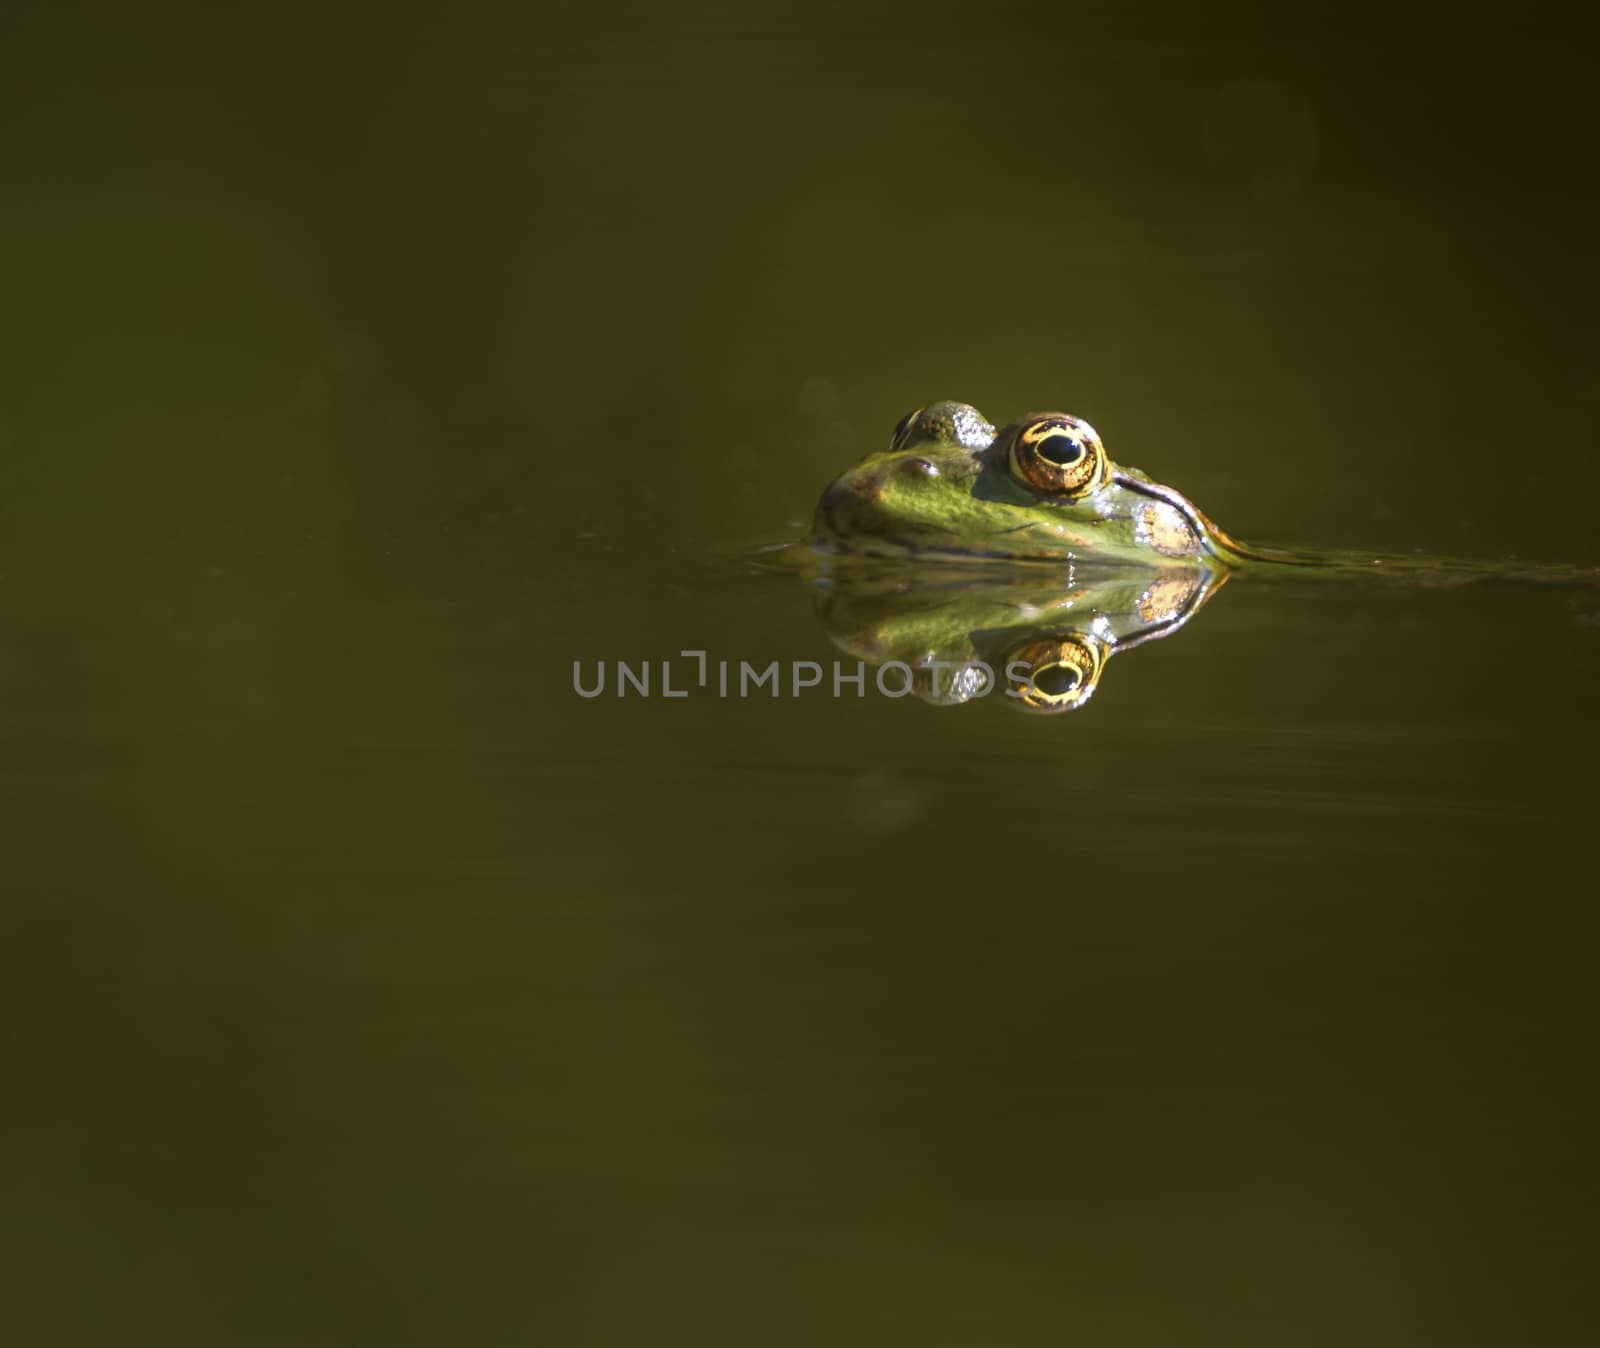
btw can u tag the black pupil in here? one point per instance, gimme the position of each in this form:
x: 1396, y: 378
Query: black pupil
x: 1057, y: 680
x: 1061, y: 449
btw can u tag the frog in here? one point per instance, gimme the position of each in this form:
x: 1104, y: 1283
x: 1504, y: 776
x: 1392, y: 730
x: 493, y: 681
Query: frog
x: 950, y: 486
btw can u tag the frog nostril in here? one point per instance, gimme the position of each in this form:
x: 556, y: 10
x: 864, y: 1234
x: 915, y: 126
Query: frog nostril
x: 920, y: 467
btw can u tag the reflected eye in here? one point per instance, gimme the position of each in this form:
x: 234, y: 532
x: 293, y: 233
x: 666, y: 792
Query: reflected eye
x: 1062, y: 673
x: 1059, y: 455
x: 1055, y: 682
x: 901, y: 429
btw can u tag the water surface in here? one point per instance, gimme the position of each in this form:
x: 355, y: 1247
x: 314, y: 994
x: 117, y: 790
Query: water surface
x: 371, y: 987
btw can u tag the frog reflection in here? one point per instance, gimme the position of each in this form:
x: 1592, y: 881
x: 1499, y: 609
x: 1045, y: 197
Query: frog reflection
x: 1043, y: 644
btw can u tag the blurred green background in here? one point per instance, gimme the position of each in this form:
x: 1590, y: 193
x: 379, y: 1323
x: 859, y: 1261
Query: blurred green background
x: 360, y: 371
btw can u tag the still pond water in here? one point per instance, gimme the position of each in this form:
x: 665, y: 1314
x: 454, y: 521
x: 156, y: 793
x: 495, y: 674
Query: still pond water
x: 373, y: 987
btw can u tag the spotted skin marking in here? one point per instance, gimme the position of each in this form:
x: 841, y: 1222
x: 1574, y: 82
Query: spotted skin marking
x: 1167, y: 598
x: 1164, y: 529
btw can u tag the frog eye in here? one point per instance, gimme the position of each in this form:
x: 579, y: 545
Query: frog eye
x: 946, y: 424
x: 1059, y: 455
x: 1061, y: 673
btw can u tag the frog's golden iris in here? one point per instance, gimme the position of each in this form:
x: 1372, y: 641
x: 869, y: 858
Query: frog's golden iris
x: 1059, y: 455
x: 1063, y: 672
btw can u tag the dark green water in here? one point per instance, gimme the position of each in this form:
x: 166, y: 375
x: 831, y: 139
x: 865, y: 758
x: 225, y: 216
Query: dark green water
x: 370, y: 987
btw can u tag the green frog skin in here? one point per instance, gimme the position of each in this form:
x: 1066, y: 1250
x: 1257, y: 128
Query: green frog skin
x: 950, y: 485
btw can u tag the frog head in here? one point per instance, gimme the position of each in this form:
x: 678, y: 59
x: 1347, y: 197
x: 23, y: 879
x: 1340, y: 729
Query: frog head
x: 1042, y: 487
